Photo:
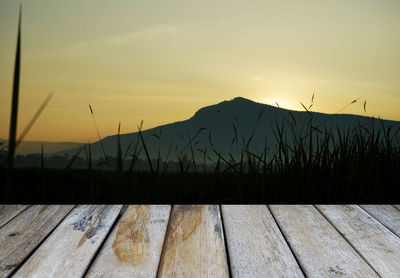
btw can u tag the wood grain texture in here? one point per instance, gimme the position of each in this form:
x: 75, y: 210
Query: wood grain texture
x: 24, y: 232
x: 194, y: 244
x: 68, y: 251
x: 8, y: 212
x: 388, y: 215
x: 319, y: 248
x: 256, y: 246
x: 379, y: 246
x: 134, y: 247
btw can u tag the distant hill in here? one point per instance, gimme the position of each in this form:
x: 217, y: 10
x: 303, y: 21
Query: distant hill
x: 30, y: 147
x: 238, y: 118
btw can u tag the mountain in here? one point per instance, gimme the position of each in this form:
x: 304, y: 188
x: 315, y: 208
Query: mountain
x: 29, y: 147
x: 238, y: 118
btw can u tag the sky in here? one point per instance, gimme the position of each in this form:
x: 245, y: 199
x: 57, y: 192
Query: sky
x: 162, y: 60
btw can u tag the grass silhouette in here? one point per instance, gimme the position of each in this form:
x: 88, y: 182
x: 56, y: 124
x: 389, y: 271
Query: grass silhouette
x: 358, y: 164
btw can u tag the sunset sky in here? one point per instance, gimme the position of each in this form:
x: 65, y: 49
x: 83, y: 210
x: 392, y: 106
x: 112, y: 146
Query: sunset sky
x: 163, y: 60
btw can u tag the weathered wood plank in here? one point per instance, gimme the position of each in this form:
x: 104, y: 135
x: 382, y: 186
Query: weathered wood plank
x: 134, y: 247
x: 68, y: 251
x: 8, y: 212
x: 318, y: 247
x: 194, y: 244
x: 23, y: 233
x: 378, y: 246
x: 388, y: 215
x: 256, y: 246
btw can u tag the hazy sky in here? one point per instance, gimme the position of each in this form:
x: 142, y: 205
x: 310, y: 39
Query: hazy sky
x: 162, y: 60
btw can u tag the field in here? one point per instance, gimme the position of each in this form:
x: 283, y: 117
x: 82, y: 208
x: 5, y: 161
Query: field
x: 358, y: 167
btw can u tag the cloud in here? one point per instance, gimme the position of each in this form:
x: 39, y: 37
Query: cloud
x: 165, y: 32
x: 256, y: 78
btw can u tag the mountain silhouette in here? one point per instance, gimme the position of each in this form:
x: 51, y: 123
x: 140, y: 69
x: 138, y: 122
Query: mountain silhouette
x: 30, y: 147
x: 227, y: 127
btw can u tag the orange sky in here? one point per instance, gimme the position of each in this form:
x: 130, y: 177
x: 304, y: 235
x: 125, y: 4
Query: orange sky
x: 162, y: 60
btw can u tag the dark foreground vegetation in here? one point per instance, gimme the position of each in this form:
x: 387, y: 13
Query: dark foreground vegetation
x: 353, y: 166
x: 296, y: 186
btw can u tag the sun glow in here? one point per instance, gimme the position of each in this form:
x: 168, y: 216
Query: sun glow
x: 280, y: 102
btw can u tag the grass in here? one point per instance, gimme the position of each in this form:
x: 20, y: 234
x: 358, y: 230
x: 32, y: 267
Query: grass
x: 15, y: 98
x: 354, y: 165
x: 310, y: 164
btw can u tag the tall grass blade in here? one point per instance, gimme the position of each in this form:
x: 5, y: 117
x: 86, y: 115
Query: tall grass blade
x: 220, y: 157
x: 135, y: 154
x: 34, y: 118
x: 90, y: 167
x: 15, y: 96
x: 217, y: 166
x: 193, y: 158
x: 331, y: 116
x: 41, y: 159
x: 98, y: 135
x: 236, y: 135
x: 159, y: 159
x: 308, y: 111
x: 144, y: 146
x: 90, y: 160
x: 209, y: 140
x: 119, y: 155
x: 166, y: 159
x: 73, y: 159
x: 354, y: 101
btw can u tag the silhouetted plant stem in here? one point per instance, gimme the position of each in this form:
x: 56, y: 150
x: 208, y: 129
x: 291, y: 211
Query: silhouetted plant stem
x: 98, y: 135
x: 119, y: 153
x: 144, y: 146
x: 14, y: 103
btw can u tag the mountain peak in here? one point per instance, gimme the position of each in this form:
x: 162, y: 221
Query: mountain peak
x: 240, y: 99
x: 237, y: 101
x: 235, y: 105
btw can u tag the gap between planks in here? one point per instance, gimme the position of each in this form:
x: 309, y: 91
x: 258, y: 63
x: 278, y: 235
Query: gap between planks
x: 69, y: 249
x: 318, y: 247
x: 21, y: 236
x: 373, y: 241
x: 9, y: 212
x: 387, y: 215
x: 256, y: 246
x: 134, y: 246
x: 194, y: 244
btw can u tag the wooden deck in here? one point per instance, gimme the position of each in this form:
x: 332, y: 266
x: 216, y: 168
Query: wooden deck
x: 200, y: 241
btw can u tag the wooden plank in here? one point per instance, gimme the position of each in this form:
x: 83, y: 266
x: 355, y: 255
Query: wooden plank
x: 388, y: 215
x: 194, y: 244
x: 23, y: 233
x: 378, y: 246
x: 8, y: 212
x: 68, y: 251
x: 134, y: 247
x: 256, y: 246
x: 318, y: 247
